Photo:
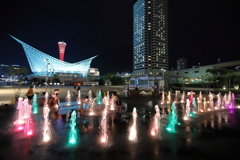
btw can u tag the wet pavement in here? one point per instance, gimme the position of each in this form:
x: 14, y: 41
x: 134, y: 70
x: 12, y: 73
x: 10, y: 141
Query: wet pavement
x: 208, y: 135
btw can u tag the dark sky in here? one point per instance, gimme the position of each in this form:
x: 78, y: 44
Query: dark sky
x: 199, y: 30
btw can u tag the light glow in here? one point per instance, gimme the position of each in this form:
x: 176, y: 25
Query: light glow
x: 55, y: 65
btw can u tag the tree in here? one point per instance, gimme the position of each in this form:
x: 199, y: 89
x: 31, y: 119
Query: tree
x: 116, y: 80
x: 216, y: 73
x: 11, y: 70
x: 107, y: 77
x: 56, y: 80
x: 23, y: 71
x: 35, y: 80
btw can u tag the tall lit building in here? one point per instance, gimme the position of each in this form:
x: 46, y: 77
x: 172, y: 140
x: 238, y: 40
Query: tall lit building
x: 62, y: 47
x: 150, y: 37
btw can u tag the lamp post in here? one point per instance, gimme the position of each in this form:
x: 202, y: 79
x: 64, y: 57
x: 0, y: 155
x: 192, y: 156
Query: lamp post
x: 163, y: 70
x: 46, y: 74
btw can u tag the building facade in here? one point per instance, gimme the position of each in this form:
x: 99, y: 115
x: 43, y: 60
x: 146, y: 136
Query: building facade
x: 150, y: 37
x: 46, y: 67
x: 181, y: 63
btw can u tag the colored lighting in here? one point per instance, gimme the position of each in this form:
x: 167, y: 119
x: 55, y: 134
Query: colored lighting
x: 20, y: 128
x: 55, y: 65
x: 62, y: 47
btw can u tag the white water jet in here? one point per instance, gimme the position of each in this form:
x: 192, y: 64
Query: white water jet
x: 103, y: 127
x: 219, y: 101
x: 90, y: 95
x: 168, y: 97
x: 46, y: 100
x: 229, y: 97
x: 46, y: 131
x: 176, y: 97
x: 163, y: 98
x: 79, y: 97
x: 200, y: 97
x: 183, y: 97
x: 112, y: 106
x: 211, y: 104
x: 204, y: 104
x: 107, y: 99
x: 186, y: 116
x: 91, y: 106
x: 68, y: 98
x: 156, y: 123
x: 133, y: 128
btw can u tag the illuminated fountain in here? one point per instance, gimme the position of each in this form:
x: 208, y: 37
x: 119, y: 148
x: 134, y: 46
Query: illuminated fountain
x: 46, y: 100
x: 194, y: 105
x: 103, y: 127
x: 191, y: 97
x: 168, y: 97
x: 25, y: 106
x: 176, y: 97
x: 68, y: 98
x: 163, y: 97
x: 99, y: 100
x: 224, y: 101
x: 91, y: 106
x: 73, y: 133
x: 112, y: 105
x: 46, y: 131
x: 204, y: 104
x: 200, y: 97
x: 200, y: 105
x: 156, y: 123
x: 34, y: 104
x: 232, y: 104
x: 218, y: 101
x: 28, y: 128
x: 20, y: 116
x: 79, y: 97
x: 172, y: 119
x: 183, y: 97
x: 210, y: 101
x: 90, y: 95
x: 229, y: 98
x: 133, y: 128
x: 186, y: 116
x: 107, y: 100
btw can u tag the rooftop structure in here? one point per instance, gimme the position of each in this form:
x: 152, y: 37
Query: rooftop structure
x: 45, y: 65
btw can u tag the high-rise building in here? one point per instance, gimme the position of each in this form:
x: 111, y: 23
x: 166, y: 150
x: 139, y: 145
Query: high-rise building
x: 150, y: 37
x: 62, y: 47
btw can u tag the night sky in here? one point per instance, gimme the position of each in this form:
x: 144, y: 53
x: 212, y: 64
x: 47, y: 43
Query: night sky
x: 199, y: 30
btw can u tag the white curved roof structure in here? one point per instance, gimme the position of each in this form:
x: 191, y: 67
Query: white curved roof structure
x: 38, y: 62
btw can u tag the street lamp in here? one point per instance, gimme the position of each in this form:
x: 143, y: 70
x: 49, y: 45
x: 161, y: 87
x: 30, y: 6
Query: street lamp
x: 163, y: 70
x: 46, y: 74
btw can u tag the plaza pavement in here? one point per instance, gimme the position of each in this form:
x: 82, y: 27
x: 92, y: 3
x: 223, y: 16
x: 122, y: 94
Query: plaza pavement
x: 207, y: 136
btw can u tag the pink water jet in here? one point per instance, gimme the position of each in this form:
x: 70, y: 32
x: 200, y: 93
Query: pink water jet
x: 28, y: 126
x: 20, y: 116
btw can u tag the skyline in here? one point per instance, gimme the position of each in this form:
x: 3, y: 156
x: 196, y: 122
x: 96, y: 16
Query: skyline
x: 198, y: 31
